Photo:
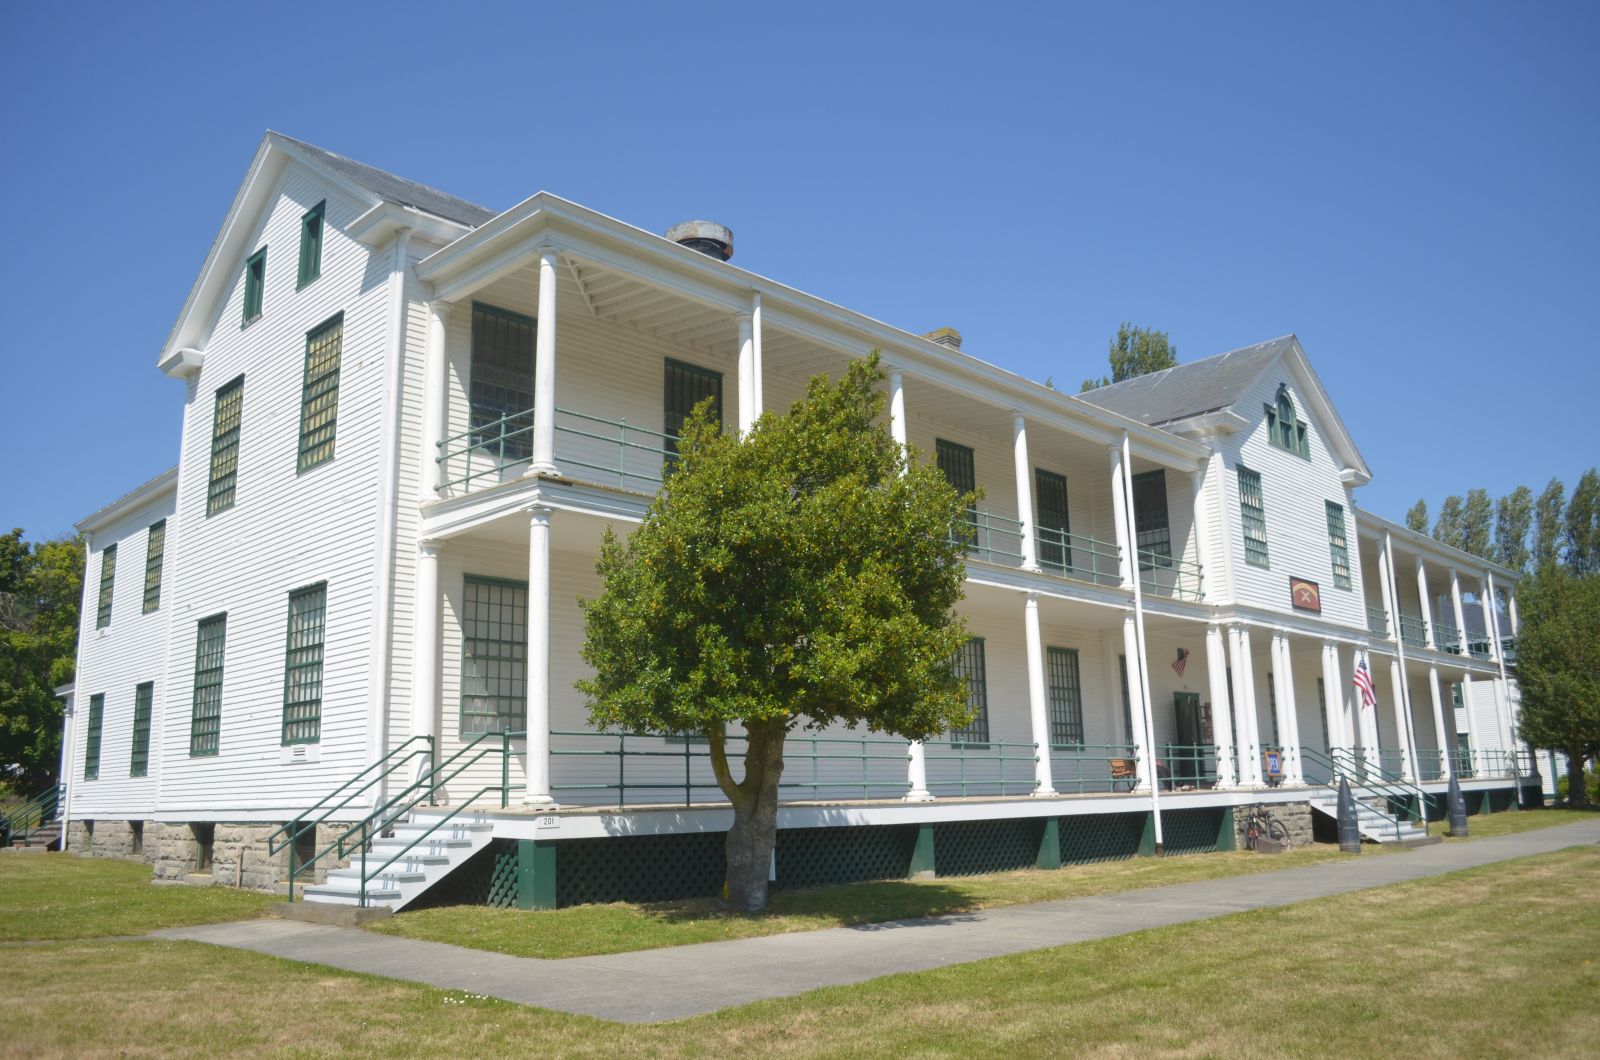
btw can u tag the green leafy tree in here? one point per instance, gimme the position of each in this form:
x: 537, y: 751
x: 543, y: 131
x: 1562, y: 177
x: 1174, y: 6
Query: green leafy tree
x: 1558, y: 668
x: 1135, y: 352
x: 1583, y: 525
x: 1417, y: 517
x: 40, y: 587
x: 1513, y: 518
x: 1547, y: 526
x: 1451, y: 525
x: 801, y: 576
x: 1477, y: 523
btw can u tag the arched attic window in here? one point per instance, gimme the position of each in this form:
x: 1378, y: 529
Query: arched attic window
x: 1285, y: 430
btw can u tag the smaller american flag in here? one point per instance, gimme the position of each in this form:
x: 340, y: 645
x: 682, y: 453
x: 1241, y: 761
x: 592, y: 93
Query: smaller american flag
x: 1183, y: 660
x: 1363, y: 683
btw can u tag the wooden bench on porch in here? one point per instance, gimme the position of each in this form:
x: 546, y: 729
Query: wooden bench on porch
x: 1124, y: 769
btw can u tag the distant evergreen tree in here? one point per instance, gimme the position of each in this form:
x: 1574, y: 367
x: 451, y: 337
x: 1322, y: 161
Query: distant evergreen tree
x: 1135, y: 352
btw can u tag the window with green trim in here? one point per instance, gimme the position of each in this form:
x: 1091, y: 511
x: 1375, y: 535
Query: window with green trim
x: 1151, y: 524
x: 319, y: 394
x: 255, y: 282
x: 302, y: 665
x: 1066, y: 697
x: 1253, y: 514
x: 494, y: 656
x: 1322, y: 702
x: 1053, y: 527
x: 969, y: 668
x: 205, y: 719
x: 684, y: 387
x: 501, y: 391
x: 1338, y: 547
x: 91, y: 743
x: 155, y: 548
x: 108, y: 578
x: 959, y: 465
x: 311, y: 243
x: 225, y: 420
x: 1285, y: 430
x: 139, y: 759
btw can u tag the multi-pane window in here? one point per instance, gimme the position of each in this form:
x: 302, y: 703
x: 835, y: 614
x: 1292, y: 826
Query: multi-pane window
x: 139, y: 760
x: 959, y: 467
x: 319, y: 395
x: 1285, y: 430
x: 494, y: 656
x: 684, y: 387
x: 108, y: 578
x: 1066, y: 697
x: 225, y: 421
x: 155, y: 548
x: 302, y: 665
x: 255, y: 282
x: 969, y: 669
x: 1338, y: 547
x: 1150, y: 520
x: 205, y: 720
x: 1253, y: 513
x: 502, y: 381
x: 91, y: 745
x: 311, y: 243
x: 1053, y: 528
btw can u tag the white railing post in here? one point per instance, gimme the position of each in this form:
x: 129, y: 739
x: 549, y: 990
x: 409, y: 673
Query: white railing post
x: 544, y: 368
x: 1142, y: 747
x: 1038, y: 708
x: 1221, y: 712
x: 1244, y: 702
x: 1122, y: 519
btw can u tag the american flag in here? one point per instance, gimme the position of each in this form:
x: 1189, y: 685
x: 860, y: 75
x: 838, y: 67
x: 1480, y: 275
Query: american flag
x: 1183, y: 660
x: 1363, y: 683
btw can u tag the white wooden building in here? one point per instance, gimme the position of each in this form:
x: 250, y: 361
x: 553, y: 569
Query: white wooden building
x: 408, y: 420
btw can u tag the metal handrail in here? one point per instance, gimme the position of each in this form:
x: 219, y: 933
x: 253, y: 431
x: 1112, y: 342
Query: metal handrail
x: 32, y: 815
x: 385, y: 766
x: 1099, y: 754
x: 367, y: 877
x: 1447, y: 638
x: 964, y: 750
x: 1188, y: 579
x: 1378, y: 621
x: 1059, y: 553
x: 1202, y: 759
x: 1413, y: 630
x: 977, y: 533
x: 1396, y: 793
x: 507, y: 441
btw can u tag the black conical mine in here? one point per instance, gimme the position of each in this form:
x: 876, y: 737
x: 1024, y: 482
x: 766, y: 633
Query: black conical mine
x: 1349, y: 830
x: 1458, y: 808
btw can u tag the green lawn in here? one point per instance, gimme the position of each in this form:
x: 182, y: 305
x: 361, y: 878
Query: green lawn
x: 1415, y: 970
x: 1485, y: 825
x: 63, y: 896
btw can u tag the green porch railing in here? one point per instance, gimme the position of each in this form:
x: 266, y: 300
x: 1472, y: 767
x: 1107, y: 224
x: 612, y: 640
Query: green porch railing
x: 1378, y: 621
x: 1391, y: 761
x: 981, y: 767
x: 1508, y: 650
x: 663, y: 770
x: 1086, y: 767
x: 991, y: 537
x: 1171, y: 576
x: 1403, y: 799
x: 1413, y: 631
x: 1430, y: 764
x: 20, y: 823
x: 620, y: 453
x: 1185, y: 766
x: 1447, y: 638
x: 1478, y: 645
x: 1084, y: 559
x: 485, y: 449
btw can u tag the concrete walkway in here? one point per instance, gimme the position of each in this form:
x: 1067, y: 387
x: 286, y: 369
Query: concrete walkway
x: 680, y: 981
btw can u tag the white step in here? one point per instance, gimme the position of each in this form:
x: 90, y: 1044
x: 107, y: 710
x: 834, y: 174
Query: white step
x: 433, y: 857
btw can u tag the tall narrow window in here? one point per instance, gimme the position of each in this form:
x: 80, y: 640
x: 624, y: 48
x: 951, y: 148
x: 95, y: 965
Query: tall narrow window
x: 1253, y: 513
x: 155, y: 548
x: 302, y: 666
x: 970, y: 669
x: 1127, y: 703
x: 255, y: 282
x: 311, y: 243
x: 1053, y: 528
x: 91, y: 744
x: 108, y: 578
x: 225, y: 421
x: 1338, y: 547
x: 1285, y: 430
x: 1150, y: 520
x: 1066, y: 697
x: 494, y: 656
x: 502, y: 382
x: 139, y: 761
x: 1322, y: 702
x: 205, y: 720
x: 319, y: 394
x: 685, y: 386
x: 960, y: 469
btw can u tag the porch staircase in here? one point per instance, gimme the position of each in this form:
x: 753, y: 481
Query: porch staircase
x: 1389, y: 808
x: 36, y: 823
x: 413, y: 855
x: 1375, y: 824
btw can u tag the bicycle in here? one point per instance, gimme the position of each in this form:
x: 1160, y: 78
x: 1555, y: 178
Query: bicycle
x: 1261, y: 825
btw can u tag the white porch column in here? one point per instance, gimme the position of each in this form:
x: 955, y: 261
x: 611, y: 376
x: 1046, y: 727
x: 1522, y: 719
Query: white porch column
x: 1244, y: 702
x: 538, y: 666
x: 1221, y: 713
x: 1288, y: 719
x: 1369, y: 718
x: 1038, y: 705
x: 1444, y: 735
x: 1141, y: 736
x: 1472, y: 725
x: 756, y: 369
x: 1202, y: 539
x: 425, y: 649
x: 897, y: 406
x: 1460, y: 613
x: 1391, y: 603
x: 1511, y: 607
x: 1502, y: 696
x: 1122, y: 519
x: 916, y: 756
x: 1332, y: 697
x: 747, y: 375
x: 1486, y: 605
x: 1427, y: 609
x: 544, y: 368
x: 1402, y: 739
x: 435, y: 398
x: 1019, y: 455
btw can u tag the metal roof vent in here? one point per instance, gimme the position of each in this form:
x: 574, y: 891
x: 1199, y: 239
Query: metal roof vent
x: 949, y: 338
x: 707, y: 237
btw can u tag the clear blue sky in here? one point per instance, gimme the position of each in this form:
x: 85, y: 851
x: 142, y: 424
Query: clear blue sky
x: 1412, y: 188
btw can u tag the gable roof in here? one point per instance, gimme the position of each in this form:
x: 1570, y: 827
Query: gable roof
x: 1192, y: 389
x: 395, y: 189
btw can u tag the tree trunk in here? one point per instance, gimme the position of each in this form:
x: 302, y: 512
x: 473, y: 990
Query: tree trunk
x: 755, y: 814
x: 1577, y: 782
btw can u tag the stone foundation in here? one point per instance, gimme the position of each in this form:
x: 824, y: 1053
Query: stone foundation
x: 1295, y: 816
x: 239, y: 856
